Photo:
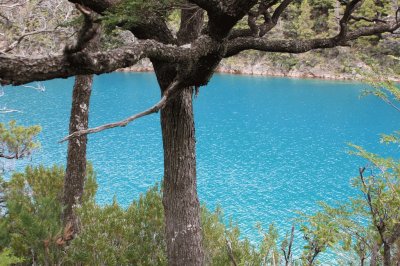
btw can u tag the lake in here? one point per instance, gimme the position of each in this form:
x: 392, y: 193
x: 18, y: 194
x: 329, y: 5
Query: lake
x: 266, y: 147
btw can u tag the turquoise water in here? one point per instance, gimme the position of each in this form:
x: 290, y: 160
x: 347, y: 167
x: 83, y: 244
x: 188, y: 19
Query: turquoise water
x: 266, y: 147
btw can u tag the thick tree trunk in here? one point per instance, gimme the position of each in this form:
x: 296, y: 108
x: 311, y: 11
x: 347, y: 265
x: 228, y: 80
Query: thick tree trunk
x: 180, y: 200
x: 181, y: 204
x: 386, y: 255
x: 76, y: 158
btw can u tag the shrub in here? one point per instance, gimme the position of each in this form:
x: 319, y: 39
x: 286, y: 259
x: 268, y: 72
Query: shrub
x: 30, y: 223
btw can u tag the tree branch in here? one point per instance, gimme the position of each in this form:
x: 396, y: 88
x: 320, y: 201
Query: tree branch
x: 275, y: 17
x: 269, y: 21
x: 8, y: 157
x: 230, y: 253
x: 18, y: 70
x: 168, y: 94
x: 240, y: 44
x: 89, y: 30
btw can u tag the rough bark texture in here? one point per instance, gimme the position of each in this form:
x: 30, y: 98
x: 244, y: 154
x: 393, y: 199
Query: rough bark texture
x: 181, y: 204
x: 18, y: 70
x: 180, y: 200
x: 387, y: 260
x: 374, y: 255
x: 76, y: 158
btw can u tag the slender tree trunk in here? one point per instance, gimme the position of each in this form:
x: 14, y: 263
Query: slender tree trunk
x: 374, y: 255
x: 397, y: 256
x: 181, y: 204
x: 76, y: 158
x: 387, y: 260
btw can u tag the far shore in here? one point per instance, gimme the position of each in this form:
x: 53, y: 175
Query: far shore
x: 247, y: 71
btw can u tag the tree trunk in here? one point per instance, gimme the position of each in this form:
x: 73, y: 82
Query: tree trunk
x: 180, y: 200
x: 374, y: 255
x: 76, y: 158
x: 386, y: 255
x: 181, y: 204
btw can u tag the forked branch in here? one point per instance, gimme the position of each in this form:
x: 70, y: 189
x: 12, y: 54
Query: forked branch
x: 168, y: 94
x: 88, y: 31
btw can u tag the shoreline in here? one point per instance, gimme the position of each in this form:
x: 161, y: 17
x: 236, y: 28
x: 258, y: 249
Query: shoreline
x: 293, y: 75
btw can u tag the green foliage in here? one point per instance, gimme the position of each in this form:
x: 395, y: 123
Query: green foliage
x: 373, y: 9
x: 135, y: 236
x: 322, y: 5
x: 305, y: 23
x: 298, y: 21
x: 382, y: 186
x: 7, y: 258
x: 371, y: 220
x: 17, y: 142
x: 30, y: 223
x: 30, y: 227
x: 320, y: 233
x: 111, y: 235
x: 130, y: 13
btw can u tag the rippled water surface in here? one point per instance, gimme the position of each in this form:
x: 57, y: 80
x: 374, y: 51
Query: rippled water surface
x: 265, y: 146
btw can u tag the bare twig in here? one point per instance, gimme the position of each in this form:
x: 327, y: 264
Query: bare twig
x: 5, y: 110
x: 168, y: 94
x: 389, y: 102
x: 288, y: 255
x: 23, y: 36
x: 357, y: 18
x: 39, y: 87
x: 230, y: 253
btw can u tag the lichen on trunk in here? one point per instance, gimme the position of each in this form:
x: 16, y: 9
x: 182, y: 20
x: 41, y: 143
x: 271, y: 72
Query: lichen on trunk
x: 76, y: 158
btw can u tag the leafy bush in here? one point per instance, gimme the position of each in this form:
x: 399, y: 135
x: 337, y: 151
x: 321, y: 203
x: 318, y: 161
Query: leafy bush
x: 31, y: 228
x: 7, y: 258
x: 17, y: 141
x: 30, y: 223
x: 111, y: 235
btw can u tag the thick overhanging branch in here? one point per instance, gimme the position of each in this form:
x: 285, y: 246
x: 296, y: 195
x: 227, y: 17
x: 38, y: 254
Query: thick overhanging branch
x: 240, y: 44
x: 169, y: 93
x: 18, y: 70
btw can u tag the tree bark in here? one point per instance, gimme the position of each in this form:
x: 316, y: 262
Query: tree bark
x: 181, y: 204
x: 374, y: 255
x: 76, y: 158
x: 386, y: 255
